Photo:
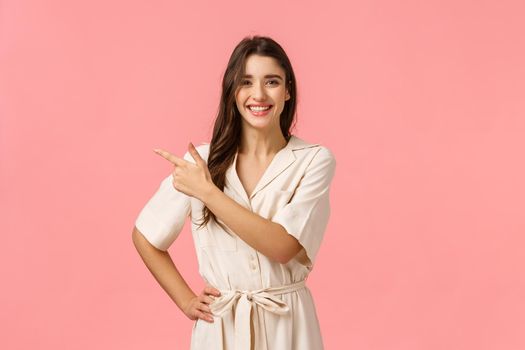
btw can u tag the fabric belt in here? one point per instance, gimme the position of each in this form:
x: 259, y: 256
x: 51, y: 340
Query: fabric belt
x: 245, y: 301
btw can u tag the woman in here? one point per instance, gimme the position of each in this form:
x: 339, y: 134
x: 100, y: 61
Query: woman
x: 258, y: 198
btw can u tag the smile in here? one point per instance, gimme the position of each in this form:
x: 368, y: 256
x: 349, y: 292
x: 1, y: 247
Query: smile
x: 259, y: 110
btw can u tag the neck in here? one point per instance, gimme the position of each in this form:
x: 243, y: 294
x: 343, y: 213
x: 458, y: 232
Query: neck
x: 261, y: 145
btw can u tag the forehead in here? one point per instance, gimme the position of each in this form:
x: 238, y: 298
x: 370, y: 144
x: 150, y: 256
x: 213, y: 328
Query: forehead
x: 257, y: 65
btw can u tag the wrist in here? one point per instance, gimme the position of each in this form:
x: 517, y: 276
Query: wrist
x: 210, y: 191
x: 186, y: 301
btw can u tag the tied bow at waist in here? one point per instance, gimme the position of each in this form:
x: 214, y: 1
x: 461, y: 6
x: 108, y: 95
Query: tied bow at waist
x: 245, y: 300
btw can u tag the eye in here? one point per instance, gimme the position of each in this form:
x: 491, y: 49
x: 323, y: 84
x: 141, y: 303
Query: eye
x: 271, y: 82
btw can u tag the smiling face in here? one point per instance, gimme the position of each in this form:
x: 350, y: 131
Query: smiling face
x: 262, y: 93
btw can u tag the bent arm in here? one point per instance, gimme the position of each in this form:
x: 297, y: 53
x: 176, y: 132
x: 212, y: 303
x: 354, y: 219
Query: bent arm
x: 163, y: 270
x: 265, y: 236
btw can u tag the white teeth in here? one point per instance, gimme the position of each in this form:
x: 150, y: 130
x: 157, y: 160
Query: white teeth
x: 253, y: 108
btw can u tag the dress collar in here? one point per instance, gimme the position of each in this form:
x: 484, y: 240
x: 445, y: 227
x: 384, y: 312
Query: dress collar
x: 282, y: 160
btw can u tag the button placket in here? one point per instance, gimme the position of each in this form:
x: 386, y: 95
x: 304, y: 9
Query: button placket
x: 253, y: 262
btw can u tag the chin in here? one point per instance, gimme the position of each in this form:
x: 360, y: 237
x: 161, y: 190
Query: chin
x: 258, y: 124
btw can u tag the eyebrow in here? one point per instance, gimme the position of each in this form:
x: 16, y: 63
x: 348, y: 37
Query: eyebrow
x: 266, y: 76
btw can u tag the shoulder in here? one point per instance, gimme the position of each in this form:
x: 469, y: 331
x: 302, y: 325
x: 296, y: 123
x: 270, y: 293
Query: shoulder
x: 325, y: 154
x: 323, y: 161
x: 317, y: 153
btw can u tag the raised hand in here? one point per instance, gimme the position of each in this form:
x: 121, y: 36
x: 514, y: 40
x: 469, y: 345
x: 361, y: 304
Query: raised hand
x: 191, y: 179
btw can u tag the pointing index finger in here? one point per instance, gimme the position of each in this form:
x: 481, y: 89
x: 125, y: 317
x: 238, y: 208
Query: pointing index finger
x: 170, y: 157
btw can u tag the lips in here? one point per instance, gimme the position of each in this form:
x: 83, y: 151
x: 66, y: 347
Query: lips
x: 260, y: 106
x: 261, y: 112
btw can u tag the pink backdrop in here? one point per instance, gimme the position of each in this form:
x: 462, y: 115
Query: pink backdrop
x: 422, y: 103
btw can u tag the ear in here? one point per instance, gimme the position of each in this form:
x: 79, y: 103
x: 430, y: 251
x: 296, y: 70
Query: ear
x: 287, y: 96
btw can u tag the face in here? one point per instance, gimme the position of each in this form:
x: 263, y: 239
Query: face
x: 263, y: 85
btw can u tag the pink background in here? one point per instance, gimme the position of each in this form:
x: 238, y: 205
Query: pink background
x: 422, y: 103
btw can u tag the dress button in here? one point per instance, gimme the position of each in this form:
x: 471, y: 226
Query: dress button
x: 253, y: 262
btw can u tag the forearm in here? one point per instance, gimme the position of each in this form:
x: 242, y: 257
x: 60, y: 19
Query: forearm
x: 263, y: 235
x: 161, y: 266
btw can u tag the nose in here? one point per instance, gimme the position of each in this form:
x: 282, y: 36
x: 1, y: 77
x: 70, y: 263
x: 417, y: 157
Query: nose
x: 258, y: 92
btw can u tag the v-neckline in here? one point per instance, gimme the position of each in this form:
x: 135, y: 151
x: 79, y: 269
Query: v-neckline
x: 256, y: 187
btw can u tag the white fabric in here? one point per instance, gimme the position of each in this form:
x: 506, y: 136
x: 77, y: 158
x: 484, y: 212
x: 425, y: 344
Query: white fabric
x: 294, y: 192
x: 248, y: 301
x: 163, y: 216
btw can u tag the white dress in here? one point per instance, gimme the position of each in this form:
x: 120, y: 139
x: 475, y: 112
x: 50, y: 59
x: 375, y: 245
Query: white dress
x: 264, y: 305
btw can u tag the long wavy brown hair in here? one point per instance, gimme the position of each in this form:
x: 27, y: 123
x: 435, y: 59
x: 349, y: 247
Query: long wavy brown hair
x: 227, y: 128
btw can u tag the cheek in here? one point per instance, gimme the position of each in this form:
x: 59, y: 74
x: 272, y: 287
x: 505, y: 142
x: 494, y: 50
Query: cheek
x: 239, y: 100
x: 238, y: 104
x: 279, y: 95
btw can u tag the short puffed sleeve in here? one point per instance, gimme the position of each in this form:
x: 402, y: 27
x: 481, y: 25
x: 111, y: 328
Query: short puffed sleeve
x: 163, y: 217
x: 306, y: 215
